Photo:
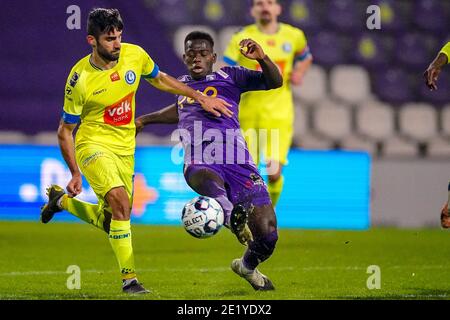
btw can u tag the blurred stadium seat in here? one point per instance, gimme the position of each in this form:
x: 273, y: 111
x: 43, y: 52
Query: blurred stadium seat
x: 343, y: 15
x: 418, y: 121
x: 46, y: 138
x: 395, y: 14
x: 412, y: 51
x: 445, y: 120
x: 393, y: 85
x: 302, y: 13
x: 375, y: 120
x: 350, y: 83
x: 438, y: 147
x: 373, y: 51
x: 398, y: 147
x: 327, y: 48
x: 13, y: 137
x: 430, y: 15
x: 356, y: 143
x: 332, y: 120
x: 314, y: 86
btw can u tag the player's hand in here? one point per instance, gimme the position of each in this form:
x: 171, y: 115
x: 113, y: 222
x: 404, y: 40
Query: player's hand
x: 431, y: 76
x: 75, y: 186
x: 216, y: 106
x: 139, y: 125
x: 251, y: 49
x: 296, y: 78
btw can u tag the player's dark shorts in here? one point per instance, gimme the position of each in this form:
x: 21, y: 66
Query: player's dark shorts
x: 243, y: 183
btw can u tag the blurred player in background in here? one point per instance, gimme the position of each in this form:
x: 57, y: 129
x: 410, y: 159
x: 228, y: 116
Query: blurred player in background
x: 100, y: 94
x: 236, y: 185
x: 431, y: 77
x: 273, y: 110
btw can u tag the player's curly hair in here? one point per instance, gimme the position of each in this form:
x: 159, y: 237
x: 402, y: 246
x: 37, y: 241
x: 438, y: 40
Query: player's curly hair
x: 199, y: 35
x: 102, y: 20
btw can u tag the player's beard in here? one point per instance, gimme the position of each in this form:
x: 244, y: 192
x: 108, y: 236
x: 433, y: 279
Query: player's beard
x: 265, y: 18
x: 105, y: 55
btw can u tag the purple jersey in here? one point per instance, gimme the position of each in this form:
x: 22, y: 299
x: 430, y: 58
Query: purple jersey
x: 210, y: 139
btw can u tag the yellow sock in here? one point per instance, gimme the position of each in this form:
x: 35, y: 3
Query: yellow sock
x: 120, y: 239
x: 275, y: 189
x: 88, y: 212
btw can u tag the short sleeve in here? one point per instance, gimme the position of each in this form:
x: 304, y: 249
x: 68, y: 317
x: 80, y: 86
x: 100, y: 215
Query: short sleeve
x: 149, y: 68
x: 245, y: 79
x: 302, y: 51
x: 446, y: 50
x: 232, y: 53
x: 72, y: 99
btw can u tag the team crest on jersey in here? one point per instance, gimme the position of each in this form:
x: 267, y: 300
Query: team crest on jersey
x: 120, y: 113
x: 130, y: 77
x: 74, y: 79
x: 287, y: 47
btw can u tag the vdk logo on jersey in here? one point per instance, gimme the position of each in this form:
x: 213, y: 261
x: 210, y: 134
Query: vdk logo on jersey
x: 120, y: 113
x: 130, y: 77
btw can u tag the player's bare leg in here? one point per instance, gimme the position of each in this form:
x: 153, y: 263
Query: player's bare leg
x: 207, y: 182
x: 445, y: 217
x: 263, y: 225
x: 120, y: 239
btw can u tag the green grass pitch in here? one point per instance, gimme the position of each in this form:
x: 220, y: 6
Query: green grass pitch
x: 307, y: 264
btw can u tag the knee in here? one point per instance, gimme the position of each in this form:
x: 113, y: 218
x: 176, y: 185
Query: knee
x: 120, y: 205
x: 196, y: 179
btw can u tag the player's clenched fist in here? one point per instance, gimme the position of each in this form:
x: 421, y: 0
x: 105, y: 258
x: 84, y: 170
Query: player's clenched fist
x: 251, y: 49
x: 75, y: 186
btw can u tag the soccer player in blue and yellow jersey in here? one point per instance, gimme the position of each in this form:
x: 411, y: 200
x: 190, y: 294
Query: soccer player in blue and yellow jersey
x: 274, y: 110
x: 100, y: 96
x: 431, y: 76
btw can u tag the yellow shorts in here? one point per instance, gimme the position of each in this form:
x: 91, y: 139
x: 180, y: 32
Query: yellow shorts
x: 272, y: 140
x: 105, y: 170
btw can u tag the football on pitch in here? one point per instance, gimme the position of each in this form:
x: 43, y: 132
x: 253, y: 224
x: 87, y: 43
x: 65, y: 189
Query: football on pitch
x: 202, y: 217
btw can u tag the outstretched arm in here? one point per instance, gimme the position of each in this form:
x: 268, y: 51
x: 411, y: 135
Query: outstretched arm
x: 167, y: 115
x: 252, y: 50
x: 166, y: 83
x: 432, y: 73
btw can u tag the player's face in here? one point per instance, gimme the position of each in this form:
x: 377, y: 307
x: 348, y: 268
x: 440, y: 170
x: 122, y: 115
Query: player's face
x: 199, y: 58
x: 265, y: 11
x: 108, y: 45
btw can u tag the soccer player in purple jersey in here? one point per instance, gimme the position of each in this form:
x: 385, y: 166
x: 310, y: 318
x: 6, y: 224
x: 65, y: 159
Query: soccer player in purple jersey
x: 217, y: 161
